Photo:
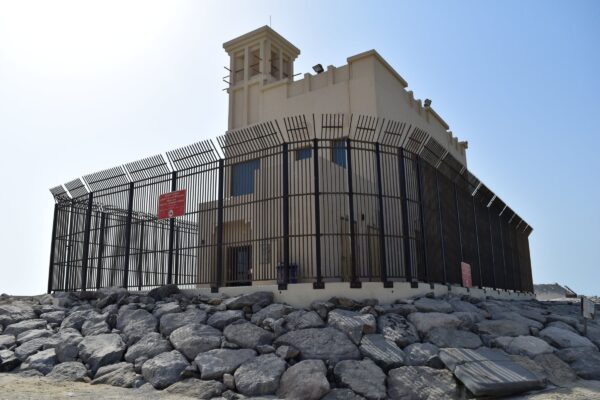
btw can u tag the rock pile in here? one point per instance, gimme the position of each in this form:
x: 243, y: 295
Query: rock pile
x: 247, y: 346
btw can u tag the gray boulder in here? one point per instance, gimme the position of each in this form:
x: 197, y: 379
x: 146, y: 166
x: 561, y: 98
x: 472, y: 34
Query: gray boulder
x: 112, y: 295
x: 166, y: 308
x: 195, y: 338
x: 424, y: 322
x: 425, y: 304
x: 33, y: 334
x: 583, y: 360
x: 197, y: 389
x: 352, y: 323
x: 260, y: 299
x: 147, y: 347
x: 399, y: 308
x: 120, y: 375
x: 306, y: 380
x: 382, y: 351
x: 464, y: 306
x: 165, y: 369
x: 515, y: 316
x: 421, y: 383
x: 565, y: 339
x: 274, y: 311
x: 397, y: 329
x: 8, y: 361
x: 98, y: 351
x: 172, y: 321
x: 15, y: 312
x: 529, y: 346
x: 548, y: 367
x: 7, y: 341
x: 423, y: 355
x: 259, y: 376
x: 342, y: 394
x: 91, y: 328
x: 303, y: 320
x: 71, y: 371
x: 42, y: 361
x: 468, y: 319
x: 53, y: 317
x: 503, y: 327
x: 322, y: 307
x: 215, y: 363
x: 446, y: 337
x: 561, y: 325
x: 328, y: 344
x: 67, y: 348
x: 163, y: 292
x: 247, y: 335
x: 76, y: 319
x: 23, y: 326
x: 31, y: 347
x: 221, y: 319
x: 136, y: 325
x: 287, y: 352
x: 363, y: 377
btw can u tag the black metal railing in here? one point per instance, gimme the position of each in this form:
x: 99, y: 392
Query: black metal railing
x: 335, y: 200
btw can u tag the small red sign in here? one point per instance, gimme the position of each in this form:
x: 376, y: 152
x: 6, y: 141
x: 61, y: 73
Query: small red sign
x: 465, y: 270
x: 171, y: 205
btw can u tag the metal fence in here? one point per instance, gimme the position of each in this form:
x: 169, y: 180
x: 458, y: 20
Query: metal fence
x: 318, y: 199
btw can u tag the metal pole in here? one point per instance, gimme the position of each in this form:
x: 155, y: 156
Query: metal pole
x: 318, y: 284
x: 382, y: 252
x: 52, y: 244
x: 86, y: 241
x: 128, y: 236
x: 439, y: 201
x: 422, y: 215
x: 354, y: 282
x: 492, y: 247
x: 100, y: 250
x: 171, y: 234
x: 460, y: 241
x: 219, y: 280
x: 477, y: 241
x: 503, y: 252
x: 286, y: 218
x: 404, y: 211
x: 70, y: 246
x: 139, y: 260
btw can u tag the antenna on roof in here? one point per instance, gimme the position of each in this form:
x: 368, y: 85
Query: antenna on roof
x: 269, y: 21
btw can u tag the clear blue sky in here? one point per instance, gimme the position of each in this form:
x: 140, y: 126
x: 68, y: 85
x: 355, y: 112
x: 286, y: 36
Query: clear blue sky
x: 85, y: 86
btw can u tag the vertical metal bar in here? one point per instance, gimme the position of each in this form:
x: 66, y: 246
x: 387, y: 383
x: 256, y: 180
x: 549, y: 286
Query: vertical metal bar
x: 140, y: 253
x: 128, y: 236
x: 86, y: 241
x: 319, y: 282
x: 71, y: 236
x: 52, y: 245
x: 177, y: 260
x: 171, y: 234
x: 404, y: 211
x: 441, y: 222
x: 354, y: 282
x: 460, y: 240
x: 219, y: 280
x: 503, y: 252
x: 286, y: 217
x: 492, y: 247
x: 100, y: 250
x: 382, y: 251
x: 422, y: 215
x: 477, y: 241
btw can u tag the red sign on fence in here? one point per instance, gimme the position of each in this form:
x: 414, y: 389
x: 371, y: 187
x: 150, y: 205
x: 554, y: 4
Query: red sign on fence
x: 465, y: 270
x: 171, y: 205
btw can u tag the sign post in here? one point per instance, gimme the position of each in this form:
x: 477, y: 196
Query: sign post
x: 172, y: 204
x: 465, y: 270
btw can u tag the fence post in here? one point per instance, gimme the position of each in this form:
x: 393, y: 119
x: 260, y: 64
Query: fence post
x: 503, y: 252
x: 422, y: 215
x: 382, y: 252
x: 52, y: 245
x: 70, y: 246
x: 177, y: 255
x: 319, y: 282
x: 100, y: 250
x: 171, y: 233
x: 477, y: 242
x: 219, y: 280
x: 441, y: 221
x: 492, y: 248
x: 139, y: 260
x: 460, y: 241
x: 128, y: 236
x: 354, y: 282
x: 404, y: 210
x: 286, y: 218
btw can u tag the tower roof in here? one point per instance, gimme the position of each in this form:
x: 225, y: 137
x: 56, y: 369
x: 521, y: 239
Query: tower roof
x: 260, y: 33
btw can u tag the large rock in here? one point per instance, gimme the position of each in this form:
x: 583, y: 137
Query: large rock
x: 215, y: 363
x: 397, y: 329
x: 274, y: 311
x: 446, y: 337
x: 8, y: 361
x: 53, y: 317
x: 503, y: 327
x: 170, y: 322
x: 584, y: 361
x: 322, y: 307
x: 342, y: 394
x: 425, y: 304
x: 42, y: 361
x: 100, y: 350
x: 72, y: 371
x: 247, y: 335
x: 327, y: 344
x: 33, y: 334
x: 197, y: 389
x: 352, y: 323
x: 221, y: 319
x: 91, y: 328
x: 77, y: 318
x: 31, y: 347
x: 487, y: 372
x: 423, y: 355
x: 421, y: 383
x: 165, y: 369
x: 464, y: 306
x: 529, y: 346
x: 260, y: 299
x: 7, y: 341
x: 306, y: 380
x: 195, y: 338
x: 136, y: 325
x: 424, y: 322
x: 68, y: 347
x: 15, y: 312
x: 259, y: 376
x: 146, y: 348
x: 303, y: 320
x: 565, y: 339
x: 120, y: 375
x: 548, y: 367
x: 382, y: 351
x: 163, y: 292
x: 363, y: 377
x: 515, y: 316
x: 23, y: 326
x: 112, y: 295
x: 166, y: 308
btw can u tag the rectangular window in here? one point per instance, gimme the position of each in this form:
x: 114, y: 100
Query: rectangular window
x: 338, y: 152
x: 303, y: 154
x: 242, y: 177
